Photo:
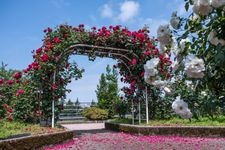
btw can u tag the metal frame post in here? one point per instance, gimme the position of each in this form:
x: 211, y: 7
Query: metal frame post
x: 139, y: 109
x: 53, y: 104
x: 146, y: 100
x: 132, y: 103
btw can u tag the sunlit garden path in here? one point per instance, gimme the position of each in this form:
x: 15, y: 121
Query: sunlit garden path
x: 101, y: 139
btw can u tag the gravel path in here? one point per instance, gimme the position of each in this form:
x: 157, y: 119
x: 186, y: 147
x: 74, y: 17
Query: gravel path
x: 101, y: 139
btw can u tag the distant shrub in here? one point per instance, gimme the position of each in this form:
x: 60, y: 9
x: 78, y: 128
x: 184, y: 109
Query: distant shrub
x: 94, y: 113
x: 120, y: 108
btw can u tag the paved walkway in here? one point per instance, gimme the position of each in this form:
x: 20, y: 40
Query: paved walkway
x: 93, y: 136
x: 88, y: 126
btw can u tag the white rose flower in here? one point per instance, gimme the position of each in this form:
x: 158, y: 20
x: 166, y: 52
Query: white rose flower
x: 186, y: 114
x: 189, y: 84
x: 151, y: 69
x: 150, y: 64
x: 174, y: 47
x: 147, y: 80
x: 217, y: 3
x: 203, y: 93
x: 172, y: 80
x: 213, y: 39
x: 175, y: 65
x: 150, y: 73
x: 162, y: 49
x: 167, y: 90
x: 194, y: 67
x: 175, y: 20
x: 162, y: 94
x: 181, y: 108
x: 159, y: 83
x: 202, y: 7
x: 164, y: 35
x: 183, y: 43
x: 194, y: 17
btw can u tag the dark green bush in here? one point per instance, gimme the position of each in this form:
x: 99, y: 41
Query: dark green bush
x: 120, y: 108
x: 94, y: 113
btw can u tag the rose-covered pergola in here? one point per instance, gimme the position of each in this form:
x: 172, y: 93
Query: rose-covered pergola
x: 131, y: 49
x: 51, y: 70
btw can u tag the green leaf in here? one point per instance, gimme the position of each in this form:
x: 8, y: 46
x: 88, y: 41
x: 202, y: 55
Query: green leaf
x: 186, y: 26
x: 186, y: 6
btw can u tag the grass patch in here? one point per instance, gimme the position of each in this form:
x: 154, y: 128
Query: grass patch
x: 218, y: 121
x: 12, y: 128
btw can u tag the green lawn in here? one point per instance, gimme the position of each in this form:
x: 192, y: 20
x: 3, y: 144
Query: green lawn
x: 15, y: 127
x: 219, y: 121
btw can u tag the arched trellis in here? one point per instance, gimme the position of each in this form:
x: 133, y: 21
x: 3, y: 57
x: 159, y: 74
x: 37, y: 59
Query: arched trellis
x: 122, y: 55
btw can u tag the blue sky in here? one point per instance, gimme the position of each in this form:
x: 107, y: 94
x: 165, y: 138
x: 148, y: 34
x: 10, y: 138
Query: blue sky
x: 23, y: 22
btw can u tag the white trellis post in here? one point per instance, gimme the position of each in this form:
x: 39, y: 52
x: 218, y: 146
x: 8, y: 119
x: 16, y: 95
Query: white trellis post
x: 53, y: 104
x: 146, y: 100
x: 139, y: 109
x: 132, y: 103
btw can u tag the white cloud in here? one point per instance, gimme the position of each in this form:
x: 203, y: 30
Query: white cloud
x: 128, y: 10
x: 106, y: 11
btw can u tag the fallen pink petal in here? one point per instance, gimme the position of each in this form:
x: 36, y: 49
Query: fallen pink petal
x: 113, y: 140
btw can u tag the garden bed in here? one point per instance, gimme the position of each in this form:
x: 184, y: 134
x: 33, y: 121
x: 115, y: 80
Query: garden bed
x: 11, y: 129
x: 36, y: 141
x: 191, y: 131
x: 19, y: 135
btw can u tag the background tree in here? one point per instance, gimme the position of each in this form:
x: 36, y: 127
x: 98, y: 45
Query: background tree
x: 93, y: 103
x: 107, y: 90
x: 77, y: 105
x: 120, y: 107
x: 69, y: 102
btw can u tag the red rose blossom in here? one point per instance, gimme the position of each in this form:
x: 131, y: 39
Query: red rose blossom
x: 49, y: 30
x: 17, y: 76
x: 168, y: 75
x: 19, y: 92
x: 142, y: 74
x: 9, y: 118
x: 10, y: 82
x: 134, y: 61
x: 56, y: 40
x: 54, y: 86
x: 34, y: 65
x: 44, y: 57
x: 133, y: 83
x: 1, y: 81
x: 38, y: 51
x: 9, y: 110
x: 147, y: 53
x: 141, y: 37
